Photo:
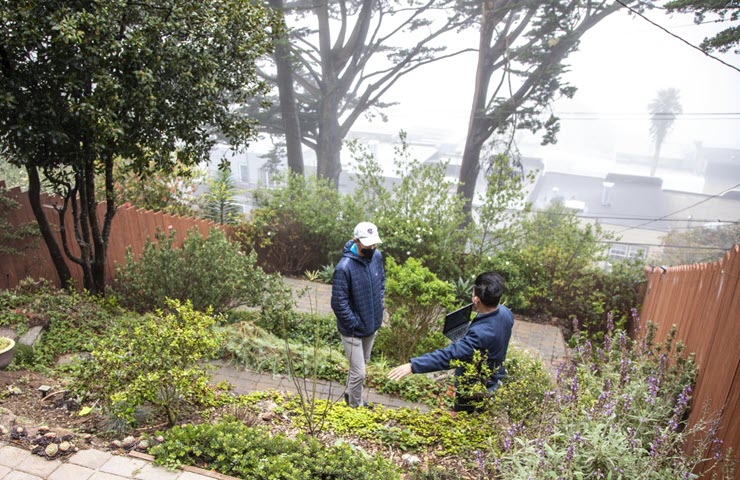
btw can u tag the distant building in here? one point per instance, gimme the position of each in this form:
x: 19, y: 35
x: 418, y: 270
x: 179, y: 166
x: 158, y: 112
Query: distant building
x: 637, y: 208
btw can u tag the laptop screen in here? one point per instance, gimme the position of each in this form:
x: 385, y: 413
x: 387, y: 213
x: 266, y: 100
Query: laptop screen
x: 458, y: 317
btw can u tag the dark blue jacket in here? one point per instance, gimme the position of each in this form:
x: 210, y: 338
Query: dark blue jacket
x: 490, y: 333
x: 358, y: 293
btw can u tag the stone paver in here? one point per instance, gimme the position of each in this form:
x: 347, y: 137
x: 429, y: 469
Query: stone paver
x: 93, y: 459
x: 70, y: 471
x: 11, y: 456
x: 17, y: 475
x: 123, y: 466
x: 39, y: 466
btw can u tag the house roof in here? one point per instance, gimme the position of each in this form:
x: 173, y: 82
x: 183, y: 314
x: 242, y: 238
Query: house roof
x: 633, y: 201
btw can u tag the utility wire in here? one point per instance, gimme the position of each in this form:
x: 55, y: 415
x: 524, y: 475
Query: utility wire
x: 686, y: 247
x: 681, y: 210
x: 651, y: 219
x: 675, y: 36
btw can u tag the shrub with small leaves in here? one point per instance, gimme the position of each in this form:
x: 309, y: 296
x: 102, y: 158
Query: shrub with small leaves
x: 416, y: 301
x: 151, y: 360
x: 209, y: 272
x: 232, y: 448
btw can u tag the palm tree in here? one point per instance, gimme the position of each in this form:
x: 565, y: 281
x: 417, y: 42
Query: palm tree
x: 663, y: 111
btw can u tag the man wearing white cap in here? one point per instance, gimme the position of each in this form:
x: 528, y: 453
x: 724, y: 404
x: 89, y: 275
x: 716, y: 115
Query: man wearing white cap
x: 357, y: 298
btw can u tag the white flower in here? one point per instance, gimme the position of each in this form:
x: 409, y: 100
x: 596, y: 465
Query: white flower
x: 408, y: 253
x: 419, y: 240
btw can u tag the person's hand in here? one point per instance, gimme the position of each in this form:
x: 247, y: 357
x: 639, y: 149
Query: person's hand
x: 400, y: 371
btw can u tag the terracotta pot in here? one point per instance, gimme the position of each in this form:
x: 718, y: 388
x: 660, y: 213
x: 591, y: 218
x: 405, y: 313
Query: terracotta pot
x: 6, y: 354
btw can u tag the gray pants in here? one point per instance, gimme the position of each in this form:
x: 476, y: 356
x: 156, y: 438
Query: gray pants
x: 358, y: 351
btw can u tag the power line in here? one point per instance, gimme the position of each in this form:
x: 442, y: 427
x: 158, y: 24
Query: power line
x: 681, y: 210
x: 675, y: 36
x: 637, y: 218
x: 688, y: 247
x: 649, y: 114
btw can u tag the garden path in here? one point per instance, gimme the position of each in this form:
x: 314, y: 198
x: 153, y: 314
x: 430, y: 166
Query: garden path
x: 545, y: 340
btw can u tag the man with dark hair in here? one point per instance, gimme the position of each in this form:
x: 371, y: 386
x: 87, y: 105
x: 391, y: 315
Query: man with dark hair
x: 357, y: 298
x: 489, y: 334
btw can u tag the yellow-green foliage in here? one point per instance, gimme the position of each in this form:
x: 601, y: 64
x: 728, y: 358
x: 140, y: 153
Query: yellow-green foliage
x: 523, y: 388
x: 406, y: 429
x: 152, y: 360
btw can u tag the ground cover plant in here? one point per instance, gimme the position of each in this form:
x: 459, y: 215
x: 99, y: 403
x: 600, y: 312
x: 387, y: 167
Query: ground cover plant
x: 70, y: 321
x: 255, y: 453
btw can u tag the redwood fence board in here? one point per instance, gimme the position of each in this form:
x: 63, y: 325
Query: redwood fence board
x: 703, y: 301
x: 131, y: 227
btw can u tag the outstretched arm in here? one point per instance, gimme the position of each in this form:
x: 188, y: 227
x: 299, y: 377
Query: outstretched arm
x: 400, y: 371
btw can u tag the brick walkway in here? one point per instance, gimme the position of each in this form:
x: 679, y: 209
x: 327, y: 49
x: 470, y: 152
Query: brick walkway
x: 20, y: 464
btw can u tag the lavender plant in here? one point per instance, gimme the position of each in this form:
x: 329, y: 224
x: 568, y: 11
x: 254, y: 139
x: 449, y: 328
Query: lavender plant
x: 620, y: 411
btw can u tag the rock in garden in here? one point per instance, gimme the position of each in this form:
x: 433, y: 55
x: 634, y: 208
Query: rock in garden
x: 409, y: 459
x: 65, y: 447
x: 87, y: 437
x: 116, y: 444
x: 129, y: 442
x: 267, y: 416
x: 3, y: 430
x: 143, y: 445
x: 43, y: 429
x: 50, y: 435
x: 160, y: 439
x: 51, y: 450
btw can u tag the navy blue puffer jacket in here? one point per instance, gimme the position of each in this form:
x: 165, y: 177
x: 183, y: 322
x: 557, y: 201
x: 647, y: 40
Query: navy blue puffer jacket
x: 358, y: 293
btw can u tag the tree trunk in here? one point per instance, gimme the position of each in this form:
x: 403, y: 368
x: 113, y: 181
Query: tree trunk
x: 329, y: 137
x: 328, y: 149
x: 477, y: 126
x: 34, y: 197
x: 288, y: 110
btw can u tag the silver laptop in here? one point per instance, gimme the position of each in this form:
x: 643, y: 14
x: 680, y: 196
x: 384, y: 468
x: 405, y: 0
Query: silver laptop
x: 457, y: 323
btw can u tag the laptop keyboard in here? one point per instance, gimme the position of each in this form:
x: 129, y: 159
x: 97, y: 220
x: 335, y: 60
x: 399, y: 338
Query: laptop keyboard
x: 457, y: 333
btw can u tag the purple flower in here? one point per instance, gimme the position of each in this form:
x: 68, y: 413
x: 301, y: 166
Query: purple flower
x: 623, y: 341
x: 624, y: 371
x: 607, y: 342
x: 480, y: 460
x: 610, y: 322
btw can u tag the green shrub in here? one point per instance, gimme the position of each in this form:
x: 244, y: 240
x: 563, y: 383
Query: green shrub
x: 416, y: 301
x: 552, y: 269
x: 210, y: 272
x: 300, y: 225
x: 151, y: 360
x: 417, y: 216
x: 231, y: 448
x: 523, y: 389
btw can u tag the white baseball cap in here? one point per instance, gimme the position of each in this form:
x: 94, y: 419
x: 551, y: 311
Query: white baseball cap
x: 367, y: 233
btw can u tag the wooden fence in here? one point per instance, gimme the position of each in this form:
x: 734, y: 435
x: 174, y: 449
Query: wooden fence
x: 703, y: 301
x: 131, y: 227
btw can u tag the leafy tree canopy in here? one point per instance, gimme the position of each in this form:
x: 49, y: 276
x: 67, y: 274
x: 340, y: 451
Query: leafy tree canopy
x: 726, y: 11
x: 698, y: 245
x: 87, y: 82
